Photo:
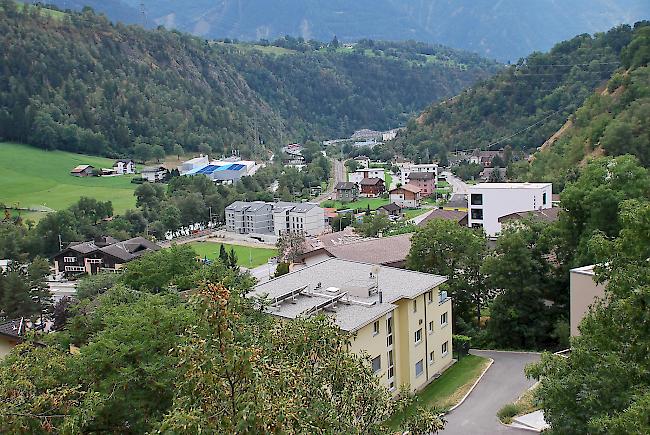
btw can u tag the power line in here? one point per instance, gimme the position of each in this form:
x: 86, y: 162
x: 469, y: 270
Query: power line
x: 524, y: 129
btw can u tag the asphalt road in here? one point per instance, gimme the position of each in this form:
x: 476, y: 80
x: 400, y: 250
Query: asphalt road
x: 458, y: 185
x: 339, y: 175
x: 503, y: 383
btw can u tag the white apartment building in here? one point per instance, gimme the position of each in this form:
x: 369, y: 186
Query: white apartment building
x: 275, y: 218
x: 428, y: 167
x: 490, y: 201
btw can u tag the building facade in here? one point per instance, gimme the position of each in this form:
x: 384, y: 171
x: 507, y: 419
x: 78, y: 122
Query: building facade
x: 406, y: 196
x: 372, y: 187
x: 399, y: 318
x: 275, y: 218
x: 346, y: 191
x: 490, y: 201
x: 154, y: 174
x: 360, y: 174
x: 122, y: 167
x: 584, y: 291
x: 426, y: 181
x: 423, y: 168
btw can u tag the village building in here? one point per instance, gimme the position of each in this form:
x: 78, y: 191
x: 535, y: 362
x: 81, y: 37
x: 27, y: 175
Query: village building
x: 400, y: 318
x: 360, y: 174
x: 584, y: 292
x: 104, y: 254
x: 12, y: 333
x: 363, y: 161
x: 82, y: 171
x: 372, y: 187
x: 346, y: 191
x: 123, y: 167
x: 391, y: 209
x: 406, y: 171
x: 261, y: 218
x: 426, y: 181
x: 406, y: 196
x: 154, y: 174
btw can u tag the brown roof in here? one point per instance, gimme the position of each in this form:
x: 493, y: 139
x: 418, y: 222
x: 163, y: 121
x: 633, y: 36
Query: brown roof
x: 371, y: 181
x: 15, y: 328
x: 384, y: 250
x: 80, y: 168
x: 390, y: 207
x: 451, y: 215
x: 547, y: 215
x: 422, y: 176
x: 408, y: 187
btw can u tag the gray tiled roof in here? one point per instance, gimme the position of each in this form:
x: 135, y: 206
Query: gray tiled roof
x: 384, y: 250
x: 238, y: 206
x: 345, y: 185
x: 83, y: 247
x: 352, y: 277
x: 13, y: 328
x: 304, y: 207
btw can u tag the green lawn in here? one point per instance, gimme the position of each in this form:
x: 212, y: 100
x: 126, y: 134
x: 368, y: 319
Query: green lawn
x: 34, y: 177
x: 410, y: 214
x: 362, y: 203
x: 247, y: 256
x: 448, y: 389
x: 388, y: 179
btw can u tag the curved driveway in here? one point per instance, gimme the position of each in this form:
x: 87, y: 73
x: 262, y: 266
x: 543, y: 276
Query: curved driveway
x: 503, y: 383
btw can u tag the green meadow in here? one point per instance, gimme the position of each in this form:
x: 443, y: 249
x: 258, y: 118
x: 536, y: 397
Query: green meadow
x: 32, y: 177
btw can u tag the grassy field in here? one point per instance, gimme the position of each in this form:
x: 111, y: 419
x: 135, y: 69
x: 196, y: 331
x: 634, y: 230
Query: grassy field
x: 388, y: 179
x: 362, y: 203
x: 448, y: 389
x: 247, y: 256
x: 410, y: 214
x: 34, y: 177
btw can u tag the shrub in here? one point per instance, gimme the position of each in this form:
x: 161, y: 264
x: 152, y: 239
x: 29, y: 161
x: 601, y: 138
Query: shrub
x: 507, y: 412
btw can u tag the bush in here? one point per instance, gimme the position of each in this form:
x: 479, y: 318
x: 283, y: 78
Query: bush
x: 507, y: 412
x: 137, y: 180
x: 281, y: 269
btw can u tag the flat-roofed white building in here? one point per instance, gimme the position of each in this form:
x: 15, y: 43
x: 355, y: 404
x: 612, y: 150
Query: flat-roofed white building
x: 400, y: 318
x: 490, y: 201
x: 275, y: 218
x: 360, y: 174
x: 193, y: 164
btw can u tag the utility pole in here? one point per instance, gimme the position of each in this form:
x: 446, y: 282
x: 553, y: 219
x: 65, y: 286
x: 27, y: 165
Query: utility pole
x: 144, y: 15
x: 60, y: 243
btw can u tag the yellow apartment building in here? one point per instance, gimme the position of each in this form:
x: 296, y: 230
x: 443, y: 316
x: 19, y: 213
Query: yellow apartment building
x: 399, y: 318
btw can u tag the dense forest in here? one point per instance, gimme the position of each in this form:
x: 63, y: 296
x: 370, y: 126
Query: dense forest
x: 612, y: 121
x: 523, y: 105
x: 77, y: 82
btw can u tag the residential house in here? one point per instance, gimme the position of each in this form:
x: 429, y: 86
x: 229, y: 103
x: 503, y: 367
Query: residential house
x: 457, y: 202
x: 104, y: 254
x: 493, y: 175
x: 154, y: 174
x: 584, y: 291
x: 490, y: 201
x: 426, y: 181
x: 391, y: 209
x: 399, y: 318
x: 363, y: 161
x: 485, y: 158
x: 12, y: 333
x: 372, y: 187
x: 543, y: 215
x: 406, y: 196
x: 82, y: 171
x: 346, y: 191
x: 360, y: 174
x: 122, y: 167
x: 422, y: 168
x: 460, y: 217
x: 265, y: 218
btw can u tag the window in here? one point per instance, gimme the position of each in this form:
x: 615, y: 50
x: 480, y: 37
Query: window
x: 477, y: 213
x: 69, y: 259
x: 375, y: 328
x: 418, y: 336
x: 476, y: 199
x: 430, y: 296
x: 389, y: 325
x: 443, y: 319
x: 419, y: 368
x: 445, y: 348
x: 430, y: 327
x: 431, y: 357
x: 544, y: 198
x: 415, y: 305
x: 376, y: 364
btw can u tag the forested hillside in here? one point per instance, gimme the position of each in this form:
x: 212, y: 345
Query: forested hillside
x: 613, y: 121
x: 79, y: 83
x: 523, y: 105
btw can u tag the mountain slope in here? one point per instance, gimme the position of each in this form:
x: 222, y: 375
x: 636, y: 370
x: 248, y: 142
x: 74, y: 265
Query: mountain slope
x: 521, y: 106
x: 505, y: 30
x: 612, y: 121
x: 83, y: 84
